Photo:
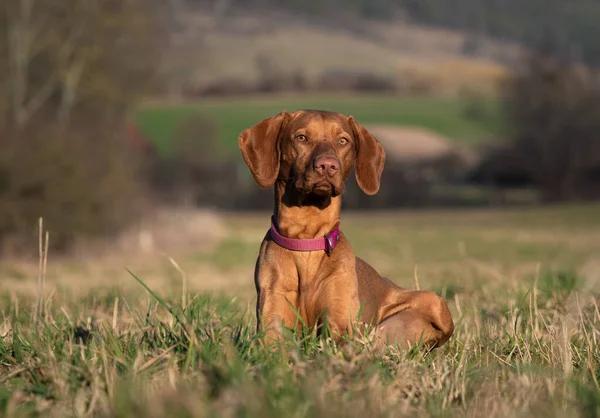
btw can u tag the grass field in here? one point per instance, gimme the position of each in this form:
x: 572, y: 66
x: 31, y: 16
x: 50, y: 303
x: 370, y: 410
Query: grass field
x: 444, y: 116
x: 522, y: 285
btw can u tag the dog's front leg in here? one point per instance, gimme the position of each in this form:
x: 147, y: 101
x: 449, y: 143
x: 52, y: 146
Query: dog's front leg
x: 276, y: 310
x: 277, y: 301
x: 338, y: 305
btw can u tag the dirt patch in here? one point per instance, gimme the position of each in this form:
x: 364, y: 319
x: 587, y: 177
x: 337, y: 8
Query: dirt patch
x: 411, y: 143
x: 174, y: 230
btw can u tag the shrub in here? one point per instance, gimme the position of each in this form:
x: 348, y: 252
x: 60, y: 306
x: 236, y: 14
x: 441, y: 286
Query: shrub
x: 552, y: 108
x: 501, y: 166
x: 69, y: 73
x: 82, y: 180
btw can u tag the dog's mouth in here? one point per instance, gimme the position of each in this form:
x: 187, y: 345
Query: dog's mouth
x: 323, y: 188
x: 318, y: 186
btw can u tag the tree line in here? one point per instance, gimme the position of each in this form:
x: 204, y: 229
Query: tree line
x: 569, y: 24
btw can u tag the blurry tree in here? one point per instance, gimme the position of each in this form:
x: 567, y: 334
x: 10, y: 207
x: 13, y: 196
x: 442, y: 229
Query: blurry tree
x: 70, y: 71
x: 552, y: 107
x: 524, y: 21
x: 62, y: 54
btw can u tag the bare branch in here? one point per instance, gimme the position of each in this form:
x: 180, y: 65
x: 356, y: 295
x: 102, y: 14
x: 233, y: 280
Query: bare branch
x: 70, y: 86
x: 39, y: 98
x: 24, y: 28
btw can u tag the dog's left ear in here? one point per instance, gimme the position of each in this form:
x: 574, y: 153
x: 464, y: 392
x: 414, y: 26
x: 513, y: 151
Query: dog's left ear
x: 370, y: 159
x: 260, y: 148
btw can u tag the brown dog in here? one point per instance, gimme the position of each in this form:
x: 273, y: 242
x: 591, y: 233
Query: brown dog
x: 306, y: 267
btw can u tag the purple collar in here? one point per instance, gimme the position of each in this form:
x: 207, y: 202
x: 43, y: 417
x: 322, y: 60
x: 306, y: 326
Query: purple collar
x: 327, y: 243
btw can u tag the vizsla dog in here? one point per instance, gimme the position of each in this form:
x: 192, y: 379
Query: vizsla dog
x: 306, y: 267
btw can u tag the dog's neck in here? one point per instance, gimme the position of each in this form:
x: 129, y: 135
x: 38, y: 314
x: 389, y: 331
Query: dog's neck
x: 305, y: 216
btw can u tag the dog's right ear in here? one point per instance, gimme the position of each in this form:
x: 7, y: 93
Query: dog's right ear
x: 260, y: 146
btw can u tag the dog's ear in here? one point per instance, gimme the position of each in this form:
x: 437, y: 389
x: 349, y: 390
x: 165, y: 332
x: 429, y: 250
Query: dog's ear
x: 260, y: 148
x: 370, y: 159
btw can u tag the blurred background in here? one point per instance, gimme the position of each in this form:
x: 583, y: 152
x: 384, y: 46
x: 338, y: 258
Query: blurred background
x: 119, y: 122
x: 119, y: 119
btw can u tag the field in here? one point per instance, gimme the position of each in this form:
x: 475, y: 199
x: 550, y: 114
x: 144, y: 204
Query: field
x: 522, y: 286
x: 447, y: 117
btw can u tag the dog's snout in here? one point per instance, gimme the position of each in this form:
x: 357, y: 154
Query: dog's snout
x: 327, y: 166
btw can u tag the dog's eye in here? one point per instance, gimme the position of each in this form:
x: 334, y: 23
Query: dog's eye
x: 343, y: 141
x: 301, y: 137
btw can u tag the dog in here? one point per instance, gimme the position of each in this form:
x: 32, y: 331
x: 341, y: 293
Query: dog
x: 306, y: 273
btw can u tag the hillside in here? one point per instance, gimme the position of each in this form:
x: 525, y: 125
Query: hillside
x: 562, y: 24
x: 247, y: 46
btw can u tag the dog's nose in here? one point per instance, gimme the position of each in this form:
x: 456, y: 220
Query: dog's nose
x: 327, y: 166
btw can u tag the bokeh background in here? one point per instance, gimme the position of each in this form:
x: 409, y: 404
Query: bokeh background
x: 110, y: 110
x: 118, y: 129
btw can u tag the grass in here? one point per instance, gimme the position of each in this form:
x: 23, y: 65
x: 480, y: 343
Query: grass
x: 444, y: 116
x: 522, y: 286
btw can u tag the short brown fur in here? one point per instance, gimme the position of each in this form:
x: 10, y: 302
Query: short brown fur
x: 307, y: 156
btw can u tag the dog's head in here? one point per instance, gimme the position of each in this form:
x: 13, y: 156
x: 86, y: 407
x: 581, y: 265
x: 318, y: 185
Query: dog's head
x: 313, y: 152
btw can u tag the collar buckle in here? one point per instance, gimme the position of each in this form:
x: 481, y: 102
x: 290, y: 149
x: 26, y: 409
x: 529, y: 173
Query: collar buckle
x: 328, y: 245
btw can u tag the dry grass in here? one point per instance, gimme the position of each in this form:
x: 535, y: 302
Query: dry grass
x: 452, y: 76
x: 522, y: 287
